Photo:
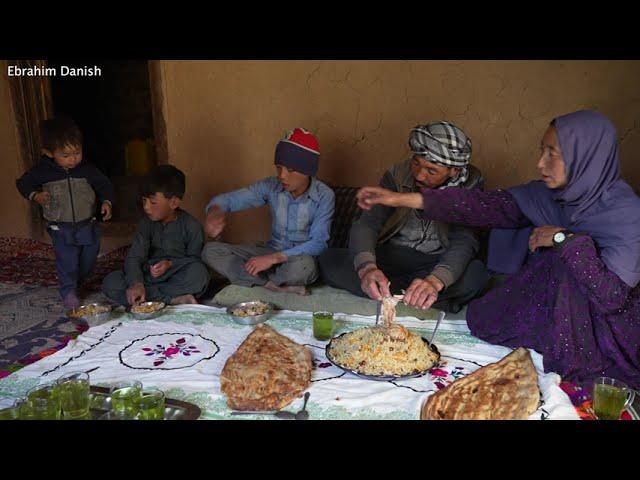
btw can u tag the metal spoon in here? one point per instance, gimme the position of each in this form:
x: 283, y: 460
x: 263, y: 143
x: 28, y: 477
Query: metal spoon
x: 282, y: 414
x: 303, y: 414
x: 440, y: 318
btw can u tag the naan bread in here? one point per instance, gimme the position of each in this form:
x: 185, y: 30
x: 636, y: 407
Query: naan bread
x: 505, y: 390
x: 267, y: 372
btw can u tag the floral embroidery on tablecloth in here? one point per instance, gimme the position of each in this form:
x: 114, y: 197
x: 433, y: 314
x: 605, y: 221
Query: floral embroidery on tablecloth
x: 166, y: 353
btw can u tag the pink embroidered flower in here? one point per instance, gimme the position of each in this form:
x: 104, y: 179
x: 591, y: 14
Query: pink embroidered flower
x: 436, y: 372
x: 164, y: 354
x: 171, y: 351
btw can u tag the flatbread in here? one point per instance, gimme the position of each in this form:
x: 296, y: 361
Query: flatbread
x: 505, y: 390
x: 267, y: 371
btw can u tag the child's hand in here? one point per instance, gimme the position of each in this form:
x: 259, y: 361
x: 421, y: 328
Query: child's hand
x: 255, y: 265
x: 106, y: 211
x: 43, y: 198
x: 160, y: 268
x: 215, y: 222
x: 136, y: 293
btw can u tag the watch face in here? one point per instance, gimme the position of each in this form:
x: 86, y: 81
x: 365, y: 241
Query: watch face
x: 559, y: 237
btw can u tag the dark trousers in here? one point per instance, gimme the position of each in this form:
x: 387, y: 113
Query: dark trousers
x: 189, y: 279
x: 402, y: 265
x: 76, y: 250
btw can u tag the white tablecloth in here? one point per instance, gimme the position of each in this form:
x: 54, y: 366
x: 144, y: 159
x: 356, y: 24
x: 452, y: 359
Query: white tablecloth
x: 184, y: 351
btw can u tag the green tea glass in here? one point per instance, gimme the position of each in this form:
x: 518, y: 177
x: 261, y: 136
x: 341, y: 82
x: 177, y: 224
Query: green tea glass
x: 113, y: 415
x: 610, y: 398
x: 74, y: 395
x: 41, y: 403
x: 11, y: 413
x: 150, y: 404
x: 123, y: 396
x: 323, y: 325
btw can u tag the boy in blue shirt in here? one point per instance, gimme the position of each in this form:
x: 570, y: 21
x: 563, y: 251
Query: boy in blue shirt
x: 301, y: 210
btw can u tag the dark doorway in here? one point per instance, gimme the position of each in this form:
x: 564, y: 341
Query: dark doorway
x: 114, y: 112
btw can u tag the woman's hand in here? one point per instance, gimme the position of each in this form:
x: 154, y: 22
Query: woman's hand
x: 543, y: 237
x: 367, y: 197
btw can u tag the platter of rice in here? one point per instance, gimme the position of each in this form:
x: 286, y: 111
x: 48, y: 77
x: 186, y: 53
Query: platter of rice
x: 382, y: 353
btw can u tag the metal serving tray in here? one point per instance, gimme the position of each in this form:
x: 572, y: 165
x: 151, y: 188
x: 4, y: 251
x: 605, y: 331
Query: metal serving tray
x: 174, y: 409
x: 380, y: 377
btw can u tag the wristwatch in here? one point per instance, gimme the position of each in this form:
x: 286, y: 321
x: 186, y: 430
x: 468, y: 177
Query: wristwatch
x: 561, y: 237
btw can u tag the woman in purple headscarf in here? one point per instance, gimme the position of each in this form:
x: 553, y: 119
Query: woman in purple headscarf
x: 570, y: 244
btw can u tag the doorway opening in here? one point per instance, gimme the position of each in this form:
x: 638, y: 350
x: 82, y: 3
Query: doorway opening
x: 114, y: 113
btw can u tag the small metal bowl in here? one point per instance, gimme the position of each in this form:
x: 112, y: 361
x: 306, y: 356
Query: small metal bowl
x: 251, y: 319
x: 98, y: 317
x: 148, y: 316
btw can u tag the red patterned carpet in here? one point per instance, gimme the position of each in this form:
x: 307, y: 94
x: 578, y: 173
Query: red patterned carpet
x: 29, y: 262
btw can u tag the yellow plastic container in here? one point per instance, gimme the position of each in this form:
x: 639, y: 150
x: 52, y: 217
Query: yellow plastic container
x: 140, y: 156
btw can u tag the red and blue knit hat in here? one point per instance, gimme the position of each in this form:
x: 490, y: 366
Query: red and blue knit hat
x: 299, y: 151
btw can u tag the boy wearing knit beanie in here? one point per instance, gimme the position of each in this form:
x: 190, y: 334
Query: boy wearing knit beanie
x: 301, y: 211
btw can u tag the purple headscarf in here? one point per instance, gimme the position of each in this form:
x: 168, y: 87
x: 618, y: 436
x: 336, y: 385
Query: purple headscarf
x: 595, y: 200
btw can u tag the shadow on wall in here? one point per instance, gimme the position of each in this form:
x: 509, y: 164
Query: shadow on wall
x: 225, y: 175
x: 341, y: 171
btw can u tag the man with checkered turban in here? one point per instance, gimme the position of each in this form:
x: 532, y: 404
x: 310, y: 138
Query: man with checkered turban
x: 392, y: 250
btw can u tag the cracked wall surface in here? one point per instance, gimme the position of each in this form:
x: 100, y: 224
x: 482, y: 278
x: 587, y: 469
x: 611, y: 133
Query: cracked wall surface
x: 225, y: 117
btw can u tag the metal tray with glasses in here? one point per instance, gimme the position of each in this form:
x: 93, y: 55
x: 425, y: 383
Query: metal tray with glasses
x: 384, y: 378
x: 173, y: 410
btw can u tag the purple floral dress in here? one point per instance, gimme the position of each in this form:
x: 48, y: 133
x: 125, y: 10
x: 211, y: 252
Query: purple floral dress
x: 564, y: 303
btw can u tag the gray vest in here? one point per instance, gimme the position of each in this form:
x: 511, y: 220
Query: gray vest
x: 404, y: 182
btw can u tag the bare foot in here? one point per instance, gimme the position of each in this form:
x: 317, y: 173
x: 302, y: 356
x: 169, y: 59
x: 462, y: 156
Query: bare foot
x: 297, y: 289
x: 184, y: 299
